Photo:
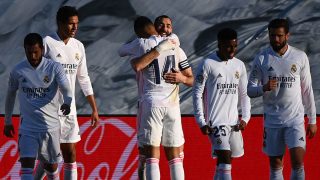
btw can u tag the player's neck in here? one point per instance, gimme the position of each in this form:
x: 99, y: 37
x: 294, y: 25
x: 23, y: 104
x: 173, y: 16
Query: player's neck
x: 221, y: 56
x: 283, y: 50
x: 64, y: 38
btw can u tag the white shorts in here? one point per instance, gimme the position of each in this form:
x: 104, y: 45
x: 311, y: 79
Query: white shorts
x: 42, y: 145
x: 225, y: 138
x: 276, y: 139
x: 70, y: 132
x: 160, y: 125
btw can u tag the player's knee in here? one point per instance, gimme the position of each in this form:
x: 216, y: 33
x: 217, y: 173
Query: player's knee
x: 27, y: 162
x: 276, y: 162
x: 50, y: 167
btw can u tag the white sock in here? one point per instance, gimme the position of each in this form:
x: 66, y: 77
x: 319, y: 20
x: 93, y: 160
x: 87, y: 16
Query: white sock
x: 52, y: 175
x: 39, y: 172
x: 225, y: 171
x: 297, y: 174
x: 142, y: 167
x: 152, y: 169
x: 216, y: 173
x: 276, y: 174
x: 26, y: 174
x: 176, y: 169
x: 70, y: 171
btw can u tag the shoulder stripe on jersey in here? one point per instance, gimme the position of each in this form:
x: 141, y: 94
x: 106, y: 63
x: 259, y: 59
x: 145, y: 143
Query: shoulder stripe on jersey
x: 184, y: 65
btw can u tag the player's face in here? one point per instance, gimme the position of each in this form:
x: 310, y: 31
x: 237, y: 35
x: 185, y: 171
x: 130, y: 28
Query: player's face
x: 228, y: 48
x: 278, y: 38
x: 69, y: 29
x: 164, y: 28
x: 34, y: 54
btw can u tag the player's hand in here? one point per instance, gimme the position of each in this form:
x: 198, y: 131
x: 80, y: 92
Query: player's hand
x: 311, y: 130
x: 95, y: 119
x: 242, y: 125
x: 8, y: 130
x: 174, y: 77
x: 271, y: 85
x: 165, y: 45
x: 65, y: 109
x: 206, y: 130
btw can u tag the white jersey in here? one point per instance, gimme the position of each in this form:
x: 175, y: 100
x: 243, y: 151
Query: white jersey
x: 73, y: 59
x: 155, y: 91
x: 283, y: 106
x: 151, y: 86
x: 222, y: 83
x: 136, y: 47
x: 37, y: 88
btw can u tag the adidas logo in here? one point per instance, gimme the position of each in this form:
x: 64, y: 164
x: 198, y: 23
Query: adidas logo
x: 219, y: 75
x: 270, y: 69
x: 301, y: 139
x: 24, y: 80
x: 59, y: 55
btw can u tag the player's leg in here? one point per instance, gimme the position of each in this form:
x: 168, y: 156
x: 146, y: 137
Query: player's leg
x: 142, y: 156
x: 173, y: 140
x: 152, y: 162
x: 175, y: 162
x: 296, y: 141
x: 70, y: 135
x: 142, y: 163
x: 50, y: 154
x: 274, y: 147
x: 221, y: 140
x: 69, y: 160
x: 28, y: 148
x: 27, y: 165
x: 149, y: 135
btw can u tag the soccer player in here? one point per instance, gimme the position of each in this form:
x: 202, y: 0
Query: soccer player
x: 145, y: 29
x: 163, y: 25
x: 64, y: 48
x: 157, y: 122
x: 281, y: 74
x: 221, y: 82
x: 37, y: 80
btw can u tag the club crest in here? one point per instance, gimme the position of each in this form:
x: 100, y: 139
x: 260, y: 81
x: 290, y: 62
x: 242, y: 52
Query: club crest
x: 77, y: 56
x: 237, y: 75
x: 46, y: 79
x: 293, y: 68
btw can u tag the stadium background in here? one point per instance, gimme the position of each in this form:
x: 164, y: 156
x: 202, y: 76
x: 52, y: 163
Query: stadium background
x: 105, y: 25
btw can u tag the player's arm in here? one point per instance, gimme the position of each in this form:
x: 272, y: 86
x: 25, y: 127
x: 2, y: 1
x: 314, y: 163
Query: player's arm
x: 244, y: 99
x: 143, y: 61
x: 308, y: 97
x: 64, y: 87
x: 86, y: 87
x: 198, y: 88
x: 184, y: 75
x: 95, y: 115
x: 129, y: 48
x: 254, y: 87
x: 9, y: 105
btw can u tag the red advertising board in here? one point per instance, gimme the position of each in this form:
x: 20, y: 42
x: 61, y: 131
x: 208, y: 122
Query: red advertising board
x: 110, y: 152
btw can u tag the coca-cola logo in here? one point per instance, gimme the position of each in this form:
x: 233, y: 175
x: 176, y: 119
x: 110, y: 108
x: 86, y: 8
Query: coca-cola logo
x: 108, y: 151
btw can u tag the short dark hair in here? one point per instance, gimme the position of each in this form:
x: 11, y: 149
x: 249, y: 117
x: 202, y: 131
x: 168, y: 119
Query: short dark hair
x: 227, y: 34
x: 65, y: 12
x: 279, y: 23
x: 140, y: 23
x: 32, y: 39
x: 158, y: 20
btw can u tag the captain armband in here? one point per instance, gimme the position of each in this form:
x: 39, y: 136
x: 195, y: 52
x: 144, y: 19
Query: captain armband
x: 183, y: 65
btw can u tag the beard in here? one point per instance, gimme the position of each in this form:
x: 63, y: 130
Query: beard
x: 276, y: 47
